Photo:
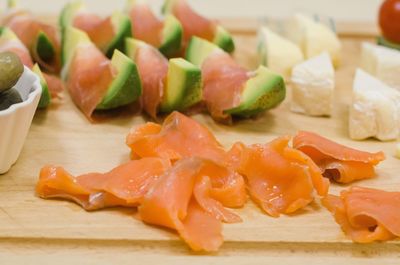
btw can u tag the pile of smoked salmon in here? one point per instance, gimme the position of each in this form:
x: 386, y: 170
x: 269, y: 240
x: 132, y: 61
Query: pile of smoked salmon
x: 181, y: 178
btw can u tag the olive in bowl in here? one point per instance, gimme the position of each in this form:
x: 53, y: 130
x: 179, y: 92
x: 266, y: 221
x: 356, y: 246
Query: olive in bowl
x: 11, y: 69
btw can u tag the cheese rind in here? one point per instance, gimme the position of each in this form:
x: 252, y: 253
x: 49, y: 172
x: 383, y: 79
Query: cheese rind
x: 375, y: 109
x: 314, y: 37
x: 381, y: 62
x: 313, y: 83
x: 277, y: 53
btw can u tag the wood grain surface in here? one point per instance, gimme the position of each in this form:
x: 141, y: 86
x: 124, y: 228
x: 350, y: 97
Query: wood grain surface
x: 36, y: 231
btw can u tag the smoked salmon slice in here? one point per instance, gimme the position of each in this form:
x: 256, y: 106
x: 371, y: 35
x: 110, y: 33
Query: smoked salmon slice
x: 123, y: 186
x: 183, y: 200
x: 28, y: 28
x: 223, y: 84
x: 145, y: 25
x: 280, y: 179
x: 340, y: 163
x: 153, y: 69
x: 178, y: 137
x: 89, y: 78
x: 366, y: 215
x: 15, y: 45
x: 193, y: 23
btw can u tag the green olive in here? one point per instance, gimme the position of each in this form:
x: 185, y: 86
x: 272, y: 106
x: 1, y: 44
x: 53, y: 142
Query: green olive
x: 8, y: 98
x: 11, y: 69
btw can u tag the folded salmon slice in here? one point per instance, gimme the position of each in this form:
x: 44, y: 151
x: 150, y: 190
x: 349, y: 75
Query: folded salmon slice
x: 179, y: 137
x: 145, y: 25
x: 100, y: 30
x: 223, y: 83
x: 153, y: 69
x: 183, y: 200
x: 193, y: 23
x: 280, y: 179
x: 123, y: 186
x: 54, y: 83
x: 27, y: 28
x: 340, y: 163
x: 366, y: 215
x: 87, y: 84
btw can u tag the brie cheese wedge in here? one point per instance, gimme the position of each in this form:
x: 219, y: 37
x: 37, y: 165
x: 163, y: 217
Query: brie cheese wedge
x: 277, y: 53
x: 375, y: 109
x: 313, y: 83
x: 381, y: 62
x: 313, y: 37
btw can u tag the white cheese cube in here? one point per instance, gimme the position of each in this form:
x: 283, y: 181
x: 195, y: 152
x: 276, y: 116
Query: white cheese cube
x: 381, y: 62
x: 375, y: 109
x: 313, y: 83
x: 313, y: 37
x: 277, y: 53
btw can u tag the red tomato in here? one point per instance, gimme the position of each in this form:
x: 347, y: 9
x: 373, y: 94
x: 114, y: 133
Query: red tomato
x: 389, y: 20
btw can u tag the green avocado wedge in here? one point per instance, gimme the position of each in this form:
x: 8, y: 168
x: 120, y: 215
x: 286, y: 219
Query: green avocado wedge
x: 264, y: 91
x: 224, y: 39
x: 384, y: 42
x: 172, y: 35
x: 44, y: 47
x: 199, y: 49
x: 68, y: 14
x: 45, y: 98
x: 123, y: 29
x: 73, y: 38
x: 183, y: 87
x: 125, y: 88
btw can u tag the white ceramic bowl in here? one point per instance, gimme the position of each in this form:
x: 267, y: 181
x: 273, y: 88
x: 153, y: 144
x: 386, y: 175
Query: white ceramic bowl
x: 16, y: 120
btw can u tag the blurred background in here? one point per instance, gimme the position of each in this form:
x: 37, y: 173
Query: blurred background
x: 340, y: 10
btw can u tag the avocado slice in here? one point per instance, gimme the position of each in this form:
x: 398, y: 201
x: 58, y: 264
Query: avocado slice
x: 131, y: 47
x: 264, y: 91
x: 44, y: 47
x: 199, y: 49
x: 172, y: 35
x: 69, y: 12
x: 126, y: 87
x: 184, y: 86
x: 73, y: 38
x: 123, y: 29
x: 224, y: 39
x: 168, y: 6
x: 45, y: 98
x: 384, y: 42
x: 66, y: 18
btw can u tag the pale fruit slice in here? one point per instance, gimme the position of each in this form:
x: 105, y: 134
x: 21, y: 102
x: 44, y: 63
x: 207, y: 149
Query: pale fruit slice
x: 45, y: 98
x: 313, y: 37
x: 313, y: 83
x: 375, y: 110
x: 381, y: 62
x: 277, y: 53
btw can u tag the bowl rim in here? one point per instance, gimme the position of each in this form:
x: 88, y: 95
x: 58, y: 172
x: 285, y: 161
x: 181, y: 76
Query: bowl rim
x: 36, y: 89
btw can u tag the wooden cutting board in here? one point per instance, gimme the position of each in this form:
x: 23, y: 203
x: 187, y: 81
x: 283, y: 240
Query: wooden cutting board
x: 59, y: 232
